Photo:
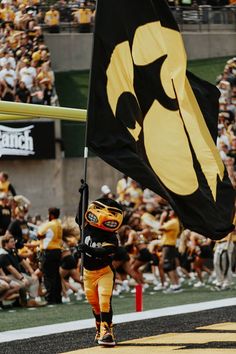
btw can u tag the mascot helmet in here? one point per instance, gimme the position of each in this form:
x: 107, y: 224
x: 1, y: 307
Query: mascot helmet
x: 105, y: 214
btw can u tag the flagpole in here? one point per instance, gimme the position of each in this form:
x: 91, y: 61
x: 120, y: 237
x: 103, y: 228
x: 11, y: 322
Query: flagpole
x: 85, y: 197
x: 84, y: 204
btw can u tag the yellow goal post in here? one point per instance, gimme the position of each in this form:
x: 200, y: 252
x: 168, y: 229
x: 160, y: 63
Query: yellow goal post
x: 20, y: 111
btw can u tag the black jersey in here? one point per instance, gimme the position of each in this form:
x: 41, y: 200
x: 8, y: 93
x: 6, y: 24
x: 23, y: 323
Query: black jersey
x: 98, y: 239
x: 10, y: 258
x: 5, y: 218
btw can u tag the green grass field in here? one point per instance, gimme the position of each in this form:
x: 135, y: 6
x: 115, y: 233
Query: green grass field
x: 124, y: 303
x: 72, y: 87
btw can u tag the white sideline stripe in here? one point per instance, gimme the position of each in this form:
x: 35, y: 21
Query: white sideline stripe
x: 25, y: 333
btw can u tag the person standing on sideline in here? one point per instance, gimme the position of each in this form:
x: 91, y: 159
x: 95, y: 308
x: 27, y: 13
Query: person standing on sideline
x: 170, y: 228
x: 50, y: 235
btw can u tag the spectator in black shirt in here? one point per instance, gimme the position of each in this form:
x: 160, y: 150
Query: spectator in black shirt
x: 18, y: 228
x: 22, y: 93
x: 5, y: 213
x: 19, y: 270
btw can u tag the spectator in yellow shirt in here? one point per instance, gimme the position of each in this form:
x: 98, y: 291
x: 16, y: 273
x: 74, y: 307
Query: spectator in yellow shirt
x: 83, y: 17
x: 50, y: 235
x: 7, y: 14
x: 170, y: 228
x: 52, y: 19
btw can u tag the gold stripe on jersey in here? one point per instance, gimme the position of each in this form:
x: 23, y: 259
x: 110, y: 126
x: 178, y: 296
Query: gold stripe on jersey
x: 105, y: 244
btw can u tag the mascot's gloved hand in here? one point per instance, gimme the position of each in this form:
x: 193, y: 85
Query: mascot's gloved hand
x: 84, y: 186
x: 82, y: 247
x: 84, y: 191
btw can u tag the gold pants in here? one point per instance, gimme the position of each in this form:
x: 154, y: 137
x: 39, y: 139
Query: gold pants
x: 98, y: 286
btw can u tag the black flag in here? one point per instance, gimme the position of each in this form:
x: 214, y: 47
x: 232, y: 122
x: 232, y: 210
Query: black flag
x: 154, y: 121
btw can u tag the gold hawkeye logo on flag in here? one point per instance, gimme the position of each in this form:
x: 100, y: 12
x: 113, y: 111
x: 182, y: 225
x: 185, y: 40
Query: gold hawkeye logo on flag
x: 170, y: 132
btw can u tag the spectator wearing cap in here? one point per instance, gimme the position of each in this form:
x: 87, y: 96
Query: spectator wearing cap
x: 5, y: 213
x: 5, y: 185
x: 106, y: 192
x: 52, y: 20
x: 31, y: 20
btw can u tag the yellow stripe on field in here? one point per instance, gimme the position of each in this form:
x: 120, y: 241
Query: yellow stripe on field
x: 170, y: 342
x: 153, y: 350
x: 221, y: 327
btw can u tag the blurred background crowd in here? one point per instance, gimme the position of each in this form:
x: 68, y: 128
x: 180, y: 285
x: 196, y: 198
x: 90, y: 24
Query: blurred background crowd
x: 226, y: 140
x: 25, y: 66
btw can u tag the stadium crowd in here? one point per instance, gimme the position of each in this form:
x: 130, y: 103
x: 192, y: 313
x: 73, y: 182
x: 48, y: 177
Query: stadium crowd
x: 226, y: 140
x: 79, y: 15
x: 25, y: 67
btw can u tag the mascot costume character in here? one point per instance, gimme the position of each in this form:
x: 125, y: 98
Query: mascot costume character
x: 103, y: 218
